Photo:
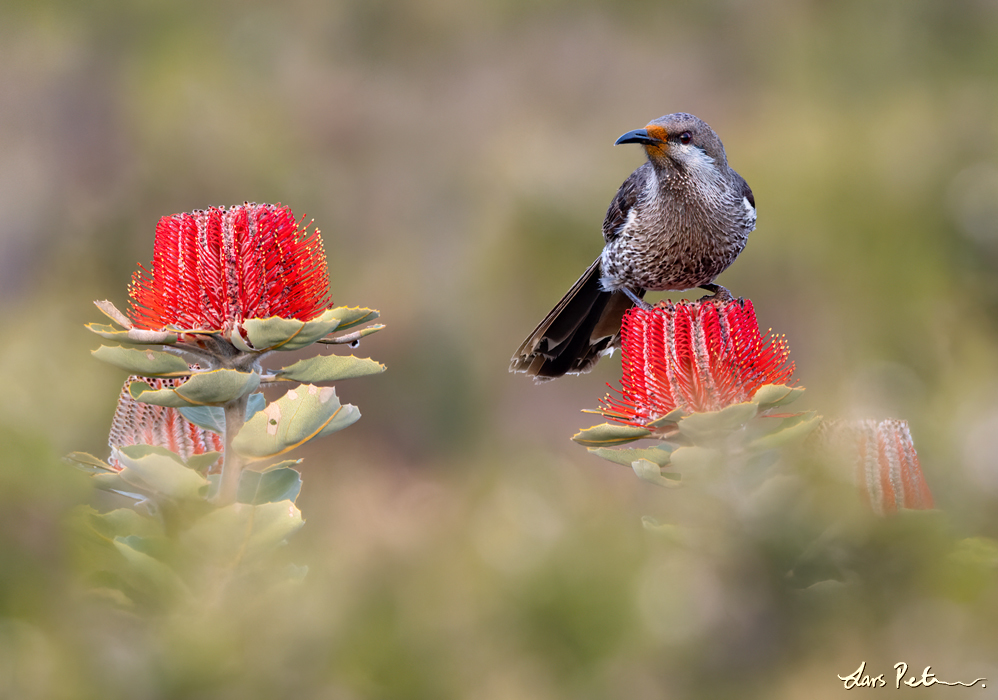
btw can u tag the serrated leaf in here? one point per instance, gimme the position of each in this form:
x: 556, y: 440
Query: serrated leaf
x: 216, y: 387
x: 773, y: 395
x: 303, y: 413
x: 606, y: 434
x: 276, y: 333
x: 231, y: 534
x: 350, y: 316
x: 626, y: 455
x: 133, y: 336
x: 160, y: 474
x: 213, y: 417
x: 255, y: 488
x: 330, y: 368
x: 651, y: 472
x: 702, y: 427
x: 790, y: 429
x: 145, y: 362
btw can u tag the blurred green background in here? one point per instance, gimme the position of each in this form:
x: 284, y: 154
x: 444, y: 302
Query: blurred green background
x: 458, y: 158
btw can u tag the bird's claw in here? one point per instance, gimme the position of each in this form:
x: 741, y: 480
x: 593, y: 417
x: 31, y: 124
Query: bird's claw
x: 719, y: 293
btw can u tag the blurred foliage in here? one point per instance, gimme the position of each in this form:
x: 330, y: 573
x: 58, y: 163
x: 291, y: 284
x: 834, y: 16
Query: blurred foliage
x: 451, y: 150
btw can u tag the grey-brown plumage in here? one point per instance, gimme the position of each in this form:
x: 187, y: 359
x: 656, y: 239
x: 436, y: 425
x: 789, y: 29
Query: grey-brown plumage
x: 676, y: 223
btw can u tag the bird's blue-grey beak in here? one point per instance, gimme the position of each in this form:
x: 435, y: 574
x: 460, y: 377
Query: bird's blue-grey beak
x: 636, y: 136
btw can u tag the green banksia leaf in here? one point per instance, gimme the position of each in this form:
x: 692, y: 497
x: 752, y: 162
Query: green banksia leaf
x: 113, y: 483
x: 607, y: 434
x: 153, y: 471
x: 89, y: 463
x: 649, y: 471
x: 703, y: 427
x: 627, y: 455
x: 213, y: 417
x: 353, y: 336
x: 350, y: 316
x: 673, y: 416
x: 278, y: 465
x: 215, y: 387
x: 788, y: 430
x: 303, y: 413
x: 147, y: 363
x: 242, y: 531
x: 120, y: 522
x: 686, y: 459
x: 271, y: 486
x: 150, y: 575
x: 133, y: 336
x: 330, y: 368
x: 277, y: 333
x: 773, y: 395
x: 202, y: 462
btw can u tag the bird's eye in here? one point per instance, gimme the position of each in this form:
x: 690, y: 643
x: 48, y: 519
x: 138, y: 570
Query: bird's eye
x: 685, y: 137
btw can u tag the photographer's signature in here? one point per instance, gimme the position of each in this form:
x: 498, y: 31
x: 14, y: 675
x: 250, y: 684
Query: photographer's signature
x: 861, y: 679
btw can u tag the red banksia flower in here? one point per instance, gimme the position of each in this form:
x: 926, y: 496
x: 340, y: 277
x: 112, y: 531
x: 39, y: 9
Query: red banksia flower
x: 137, y: 423
x: 696, y: 356
x: 213, y: 269
x: 886, y: 467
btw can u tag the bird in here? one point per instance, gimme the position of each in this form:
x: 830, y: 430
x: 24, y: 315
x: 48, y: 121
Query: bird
x: 676, y: 223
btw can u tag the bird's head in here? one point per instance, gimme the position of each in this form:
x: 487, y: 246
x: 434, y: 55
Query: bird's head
x: 680, y: 141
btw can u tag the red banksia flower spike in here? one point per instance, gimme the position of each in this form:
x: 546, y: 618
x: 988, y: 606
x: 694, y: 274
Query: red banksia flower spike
x: 885, y: 465
x: 137, y: 423
x: 696, y: 356
x: 215, y: 268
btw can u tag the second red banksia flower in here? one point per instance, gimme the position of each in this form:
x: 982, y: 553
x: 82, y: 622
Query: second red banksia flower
x: 696, y: 356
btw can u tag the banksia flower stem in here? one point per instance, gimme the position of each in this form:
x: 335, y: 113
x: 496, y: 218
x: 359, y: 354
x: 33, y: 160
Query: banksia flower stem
x: 232, y: 464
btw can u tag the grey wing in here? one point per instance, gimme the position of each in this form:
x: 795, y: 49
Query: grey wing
x: 625, y: 199
x: 747, y: 200
x: 746, y: 191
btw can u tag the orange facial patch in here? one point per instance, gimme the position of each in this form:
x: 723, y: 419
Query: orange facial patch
x: 657, y: 132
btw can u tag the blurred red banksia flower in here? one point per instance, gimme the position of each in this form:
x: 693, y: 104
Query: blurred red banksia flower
x: 214, y: 268
x: 886, y: 467
x: 697, y: 356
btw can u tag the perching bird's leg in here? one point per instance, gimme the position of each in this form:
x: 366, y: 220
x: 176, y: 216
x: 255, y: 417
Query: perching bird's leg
x: 638, y: 301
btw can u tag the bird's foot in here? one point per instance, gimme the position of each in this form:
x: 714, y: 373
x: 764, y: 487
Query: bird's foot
x: 638, y: 301
x: 719, y: 293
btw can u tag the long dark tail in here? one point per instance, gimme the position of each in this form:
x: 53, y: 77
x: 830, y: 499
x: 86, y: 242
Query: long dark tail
x: 584, y: 326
